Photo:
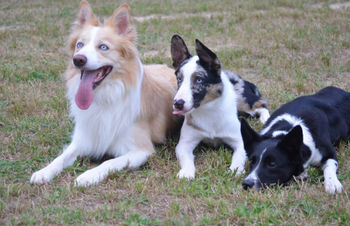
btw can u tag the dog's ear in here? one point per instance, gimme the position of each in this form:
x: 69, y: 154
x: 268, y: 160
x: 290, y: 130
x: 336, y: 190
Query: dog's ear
x: 250, y: 137
x: 179, y: 51
x: 208, y: 58
x: 122, y: 23
x: 85, y: 15
x: 292, y: 143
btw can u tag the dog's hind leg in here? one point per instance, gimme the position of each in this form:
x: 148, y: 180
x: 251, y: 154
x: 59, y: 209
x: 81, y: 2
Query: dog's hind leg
x: 263, y: 113
x: 67, y: 158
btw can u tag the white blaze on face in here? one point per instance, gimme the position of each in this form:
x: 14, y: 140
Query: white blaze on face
x: 89, y: 49
x: 185, y: 91
x: 253, y: 175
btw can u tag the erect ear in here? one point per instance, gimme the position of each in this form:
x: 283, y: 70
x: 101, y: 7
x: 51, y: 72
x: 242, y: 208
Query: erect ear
x: 85, y: 15
x: 179, y: 51
x: 250, y: 137
x: 292, y: 143
x: 121, y: 21
x: 208, y: 58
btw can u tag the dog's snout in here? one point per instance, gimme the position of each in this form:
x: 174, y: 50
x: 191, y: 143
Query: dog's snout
x: 79, y: 60
x: 247, y: 184
x: 179, y: 104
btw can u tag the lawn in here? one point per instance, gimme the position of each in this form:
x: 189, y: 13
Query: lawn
x: 287, y: 48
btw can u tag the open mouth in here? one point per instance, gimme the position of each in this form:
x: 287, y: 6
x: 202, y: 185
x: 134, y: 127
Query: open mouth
x: 97, y: 76
x: 183, y: 112
x: 89, y: 80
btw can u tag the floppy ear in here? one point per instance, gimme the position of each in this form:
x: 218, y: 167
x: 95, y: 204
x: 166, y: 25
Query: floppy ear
x: 292, y: 143
x: 122, y: 23
x: 208, y: 58
x: 179, y: 51
x: 249, y: 136
x: 85, y: 15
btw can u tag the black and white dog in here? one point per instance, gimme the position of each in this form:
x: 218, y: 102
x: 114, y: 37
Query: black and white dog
x: 300, y: 133
x: 207, y: 98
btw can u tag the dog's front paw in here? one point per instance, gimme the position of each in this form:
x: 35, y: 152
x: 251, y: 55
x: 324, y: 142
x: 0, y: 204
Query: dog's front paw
x: 186, y: 173
x: 88, y: 178
x: 42, y: 176
x: 333, y: 185
x: 239, y: 169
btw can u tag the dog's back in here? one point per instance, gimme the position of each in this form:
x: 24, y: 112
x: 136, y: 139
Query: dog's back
x: 327, y: 109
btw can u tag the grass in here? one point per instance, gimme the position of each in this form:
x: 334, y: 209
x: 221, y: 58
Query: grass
x: 288, y: 48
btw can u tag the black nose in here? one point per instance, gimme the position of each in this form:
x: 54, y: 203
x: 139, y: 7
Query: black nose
x: 179, y: 104
x: 247, y: 184
x: 79, y: 60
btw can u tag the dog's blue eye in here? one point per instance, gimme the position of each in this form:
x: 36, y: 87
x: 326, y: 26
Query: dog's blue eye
x: 179, y: 79
x: 103, y: 47
x: 199, y: 80
x: 79, y: 45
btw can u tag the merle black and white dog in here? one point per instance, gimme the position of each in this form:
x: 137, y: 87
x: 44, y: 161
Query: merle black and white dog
x: 300, y: 133
x: 248, y: 97
x: 207, y: 98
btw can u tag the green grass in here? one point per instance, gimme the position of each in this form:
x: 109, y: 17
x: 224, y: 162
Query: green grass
x: 288, y: 48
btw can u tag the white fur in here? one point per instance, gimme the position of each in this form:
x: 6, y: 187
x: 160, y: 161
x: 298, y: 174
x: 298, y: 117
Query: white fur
x: 331, y: 182
x: 253, y: 175
x: 89, y: 50
x: 215, y: 119
x: 316, y: 156
x: 107, y: 127
x: 185, y: 92
x: 263, y: 113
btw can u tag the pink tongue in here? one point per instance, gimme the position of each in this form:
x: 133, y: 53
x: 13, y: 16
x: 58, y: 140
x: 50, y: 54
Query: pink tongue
x: 85, y: 94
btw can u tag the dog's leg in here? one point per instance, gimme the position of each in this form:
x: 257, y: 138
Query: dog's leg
x: 263, y: 113
x: 184, y: 155
x: 331, y: 182
x: 133, y: 148
x: 131, y: 160
x: 67, y: 158
x: 239, y: 156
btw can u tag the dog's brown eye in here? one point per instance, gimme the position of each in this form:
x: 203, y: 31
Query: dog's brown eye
x: 272, y: 164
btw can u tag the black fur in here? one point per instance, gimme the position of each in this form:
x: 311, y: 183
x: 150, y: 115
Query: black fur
x: 326, y: 116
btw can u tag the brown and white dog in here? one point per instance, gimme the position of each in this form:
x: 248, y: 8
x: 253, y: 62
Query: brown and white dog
x: 120, y: 107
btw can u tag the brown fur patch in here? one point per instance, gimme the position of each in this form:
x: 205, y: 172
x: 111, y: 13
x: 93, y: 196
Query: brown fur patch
x: 158, y: 91
x: 213, y: 91
x: 243, y: 107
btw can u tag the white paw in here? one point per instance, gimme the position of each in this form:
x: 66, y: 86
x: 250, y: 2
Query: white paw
x: 44, y: 175
x: 303, y: 176
x: 264, y: 115
x: 186, y: 173
x: 89, y: 178
x: 333, y: 185
x: 238, y: 168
